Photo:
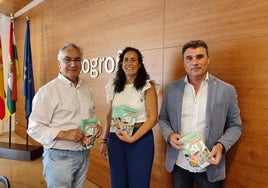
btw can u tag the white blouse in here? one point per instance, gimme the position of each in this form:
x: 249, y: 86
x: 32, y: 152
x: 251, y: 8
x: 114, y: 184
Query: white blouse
x: 129, y: 97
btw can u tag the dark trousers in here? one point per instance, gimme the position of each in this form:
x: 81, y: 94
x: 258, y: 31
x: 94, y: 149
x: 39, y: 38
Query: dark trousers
x: 182, y: 178
x: 131, y: 164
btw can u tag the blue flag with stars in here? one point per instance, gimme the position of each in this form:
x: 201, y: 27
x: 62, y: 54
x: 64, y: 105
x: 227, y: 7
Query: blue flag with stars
x: 28, y: 80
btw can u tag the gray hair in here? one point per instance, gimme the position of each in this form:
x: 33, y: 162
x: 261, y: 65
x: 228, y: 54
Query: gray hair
x: 69, y: 45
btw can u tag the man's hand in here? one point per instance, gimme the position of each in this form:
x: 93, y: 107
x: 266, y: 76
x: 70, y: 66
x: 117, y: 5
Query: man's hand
x: 174, y: 141
x: 216, y: 154
x: 99, y: 131
x: 74, y: 135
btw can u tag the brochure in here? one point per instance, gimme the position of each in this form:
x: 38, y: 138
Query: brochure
x: 195, y: 151
x: 123, y: 119
x: 89, y: 127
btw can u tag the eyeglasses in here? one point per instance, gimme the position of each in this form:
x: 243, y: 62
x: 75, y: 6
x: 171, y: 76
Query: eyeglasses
x: 69, y: 60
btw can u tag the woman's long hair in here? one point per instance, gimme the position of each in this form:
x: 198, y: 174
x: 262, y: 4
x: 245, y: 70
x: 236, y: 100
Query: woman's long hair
x: 120, y: 79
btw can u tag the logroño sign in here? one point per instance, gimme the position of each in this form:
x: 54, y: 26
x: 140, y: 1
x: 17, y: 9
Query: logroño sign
x: 95, y: 66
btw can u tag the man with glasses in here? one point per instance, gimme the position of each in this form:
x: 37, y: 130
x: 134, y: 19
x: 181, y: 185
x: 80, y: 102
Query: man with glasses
x: 199, y: 104
x: 57, y: 112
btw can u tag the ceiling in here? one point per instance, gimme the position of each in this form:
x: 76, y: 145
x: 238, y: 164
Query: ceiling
x: 12, y: 6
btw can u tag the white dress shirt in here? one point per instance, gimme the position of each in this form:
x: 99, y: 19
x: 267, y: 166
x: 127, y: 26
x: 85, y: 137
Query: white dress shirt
x: 193, y: 117
x: 59, y: 105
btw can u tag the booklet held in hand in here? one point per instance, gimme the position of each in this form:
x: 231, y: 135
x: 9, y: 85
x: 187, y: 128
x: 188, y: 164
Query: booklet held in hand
x: 195, y: 151
x: 123, y: 119
x: 89, y: 128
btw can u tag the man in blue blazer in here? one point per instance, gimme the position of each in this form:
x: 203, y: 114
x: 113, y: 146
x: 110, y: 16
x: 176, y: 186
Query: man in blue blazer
x: 206, y: 105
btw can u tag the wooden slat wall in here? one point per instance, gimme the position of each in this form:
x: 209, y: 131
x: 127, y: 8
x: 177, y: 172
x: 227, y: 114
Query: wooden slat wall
x: 236, y: 32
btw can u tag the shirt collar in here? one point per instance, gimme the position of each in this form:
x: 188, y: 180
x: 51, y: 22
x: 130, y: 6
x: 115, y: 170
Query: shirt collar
x: 186, y: 81
x: 68, y: 82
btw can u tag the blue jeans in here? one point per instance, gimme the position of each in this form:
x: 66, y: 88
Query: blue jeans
x: 182, y: 178
x: 131, y: 164
x: 65, y: 169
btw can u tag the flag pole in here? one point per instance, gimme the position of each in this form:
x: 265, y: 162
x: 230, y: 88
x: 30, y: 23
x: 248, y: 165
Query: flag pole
x: 10, y: 117
x: 14, y: 150
x: 27, y: 119
x: 27, y: 137
x: 9, y: 137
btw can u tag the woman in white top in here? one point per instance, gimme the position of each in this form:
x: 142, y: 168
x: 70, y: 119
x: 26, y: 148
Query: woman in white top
x: 131, y: 156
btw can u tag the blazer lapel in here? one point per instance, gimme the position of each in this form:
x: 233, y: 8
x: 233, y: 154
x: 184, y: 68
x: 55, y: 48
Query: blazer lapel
x: 178, y: 102
x: 212, y: 87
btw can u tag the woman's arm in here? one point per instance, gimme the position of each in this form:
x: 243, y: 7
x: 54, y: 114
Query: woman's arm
x: 151, y: 105
x: 104, y: 149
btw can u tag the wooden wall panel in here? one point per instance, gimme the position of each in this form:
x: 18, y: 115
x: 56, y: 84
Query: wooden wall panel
x: 237, y: 35
x: 105, y: 26
x: 173, y: 66
x: 214, y: 20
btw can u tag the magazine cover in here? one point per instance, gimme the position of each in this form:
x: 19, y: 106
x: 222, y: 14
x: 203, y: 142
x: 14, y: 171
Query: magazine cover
x: 195, y: 151
x: 89, y: 127
x: 123, y: 119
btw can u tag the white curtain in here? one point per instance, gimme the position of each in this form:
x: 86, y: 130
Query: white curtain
x: 4, y: 33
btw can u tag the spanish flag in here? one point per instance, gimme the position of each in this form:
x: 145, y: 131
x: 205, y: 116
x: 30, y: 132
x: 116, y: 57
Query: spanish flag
x: 2, y: 90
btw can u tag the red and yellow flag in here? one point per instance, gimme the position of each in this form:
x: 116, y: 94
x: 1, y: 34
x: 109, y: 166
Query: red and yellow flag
x: 13, y: 73
x: 2, y: 90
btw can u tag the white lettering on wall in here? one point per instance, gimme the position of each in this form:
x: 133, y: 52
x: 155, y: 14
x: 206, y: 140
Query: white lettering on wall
x: 95, y: 66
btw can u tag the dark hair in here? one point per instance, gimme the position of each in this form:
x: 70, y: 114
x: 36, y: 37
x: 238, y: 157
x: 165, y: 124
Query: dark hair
x: 194, y: 44
x: 120, y: 79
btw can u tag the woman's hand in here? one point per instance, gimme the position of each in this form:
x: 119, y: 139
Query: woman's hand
x: 124, y: 137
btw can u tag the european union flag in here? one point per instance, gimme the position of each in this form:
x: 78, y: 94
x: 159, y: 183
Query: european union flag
x: 28, y: 81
